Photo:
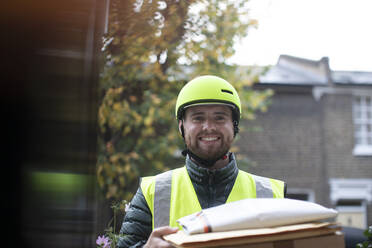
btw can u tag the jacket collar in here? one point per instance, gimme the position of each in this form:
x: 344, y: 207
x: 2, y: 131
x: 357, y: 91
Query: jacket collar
x: 202, y: 175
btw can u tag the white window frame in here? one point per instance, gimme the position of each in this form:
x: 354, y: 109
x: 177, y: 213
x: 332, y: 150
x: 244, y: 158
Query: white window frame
x: 362, y: 136
x: 351, y: 189
x: 362, y: 208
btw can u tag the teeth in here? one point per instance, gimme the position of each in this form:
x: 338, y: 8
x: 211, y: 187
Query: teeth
x: 210, y: 138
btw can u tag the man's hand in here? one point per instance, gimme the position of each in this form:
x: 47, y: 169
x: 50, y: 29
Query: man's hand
x: 156, y: 237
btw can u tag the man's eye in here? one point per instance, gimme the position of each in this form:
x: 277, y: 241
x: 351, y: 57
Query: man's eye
x: 220, y: 118
x: 197, y: 118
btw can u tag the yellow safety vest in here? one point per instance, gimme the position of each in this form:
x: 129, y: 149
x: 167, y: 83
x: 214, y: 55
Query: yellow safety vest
x: 171, y: 195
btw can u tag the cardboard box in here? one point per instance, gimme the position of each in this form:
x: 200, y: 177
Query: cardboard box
x: 327, y: 241
x: 314, y: 235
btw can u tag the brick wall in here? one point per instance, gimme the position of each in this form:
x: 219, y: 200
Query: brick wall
x: 339, y: 133
x: 339, y: 136
x: 289, y: 145
x: 305, y: 142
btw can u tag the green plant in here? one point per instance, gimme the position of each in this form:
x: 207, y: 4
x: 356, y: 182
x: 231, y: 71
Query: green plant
x: 368, y: 242
x: 111, y: 237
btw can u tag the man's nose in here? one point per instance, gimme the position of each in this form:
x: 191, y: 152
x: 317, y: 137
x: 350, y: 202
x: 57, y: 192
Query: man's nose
x: 209, y: 124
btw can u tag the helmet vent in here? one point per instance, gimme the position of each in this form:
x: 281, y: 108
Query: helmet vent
x: 227, y: 91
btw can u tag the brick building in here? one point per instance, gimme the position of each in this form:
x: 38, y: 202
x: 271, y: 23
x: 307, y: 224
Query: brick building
x: 317, y: 136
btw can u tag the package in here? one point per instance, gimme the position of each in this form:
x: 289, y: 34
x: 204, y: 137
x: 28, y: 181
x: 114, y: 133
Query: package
x: 254, y: 213
x: 328, y: 241
x: 306, y: 235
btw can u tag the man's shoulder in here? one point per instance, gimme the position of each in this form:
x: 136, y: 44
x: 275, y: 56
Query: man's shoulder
x: 242, y: 172
x: 148, y: 183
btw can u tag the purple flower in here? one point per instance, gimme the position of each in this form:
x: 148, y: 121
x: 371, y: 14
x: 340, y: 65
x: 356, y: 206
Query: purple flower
x: 103, y: 241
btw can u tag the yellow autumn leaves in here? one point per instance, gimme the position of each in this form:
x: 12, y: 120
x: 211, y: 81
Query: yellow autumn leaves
x: 149, y: 53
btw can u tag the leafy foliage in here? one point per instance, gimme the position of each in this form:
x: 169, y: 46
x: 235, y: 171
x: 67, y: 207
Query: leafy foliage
x: 112, y: 236
x: 367, y: 243
x: 153, y: 48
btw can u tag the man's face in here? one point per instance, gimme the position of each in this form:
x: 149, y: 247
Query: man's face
x: 209, y: 130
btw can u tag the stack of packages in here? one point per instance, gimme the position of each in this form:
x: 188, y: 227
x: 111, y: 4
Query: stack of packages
x: 260, y: 223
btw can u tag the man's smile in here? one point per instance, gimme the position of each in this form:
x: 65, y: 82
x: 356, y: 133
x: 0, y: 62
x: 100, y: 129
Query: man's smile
x: 209, y: 138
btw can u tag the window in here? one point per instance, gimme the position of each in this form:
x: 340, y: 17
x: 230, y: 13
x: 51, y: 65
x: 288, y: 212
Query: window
x: 362, y: 116
x: 300, y: 194
x: 351, y: 197
x: 352, y: 213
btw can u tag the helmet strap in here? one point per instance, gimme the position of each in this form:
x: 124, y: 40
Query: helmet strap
x: 236, y: 127
x: 182, y: 131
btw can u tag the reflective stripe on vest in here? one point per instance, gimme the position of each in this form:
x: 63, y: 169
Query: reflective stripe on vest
x: 162, y: 197
x: 263, y: 187
x: 158, y: 192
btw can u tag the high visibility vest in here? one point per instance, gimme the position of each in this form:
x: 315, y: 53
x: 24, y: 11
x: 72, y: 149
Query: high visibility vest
x: 171, y: 195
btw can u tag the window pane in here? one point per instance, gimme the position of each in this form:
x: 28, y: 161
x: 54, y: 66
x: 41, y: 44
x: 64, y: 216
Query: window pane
x: 358, y: 100
x: 357, y: 114
x: 368, y: 100
x: 358, y: 128
x: 362, y: 115
x: 358, y: 141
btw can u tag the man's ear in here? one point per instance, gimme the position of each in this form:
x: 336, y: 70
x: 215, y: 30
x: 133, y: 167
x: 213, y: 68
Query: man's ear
x: 180, y: 128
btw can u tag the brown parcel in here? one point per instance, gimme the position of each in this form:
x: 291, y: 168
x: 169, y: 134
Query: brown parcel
x: 293, y: 236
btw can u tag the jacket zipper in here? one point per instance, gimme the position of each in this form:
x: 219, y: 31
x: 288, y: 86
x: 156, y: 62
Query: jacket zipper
x: 211, y: 193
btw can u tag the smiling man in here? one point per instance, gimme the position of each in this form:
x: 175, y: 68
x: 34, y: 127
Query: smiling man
x: 208, y: 111
x: 209, y: 134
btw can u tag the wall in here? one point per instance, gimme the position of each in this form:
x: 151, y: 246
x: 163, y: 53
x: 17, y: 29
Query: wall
x: 290, y: 144
x: 305, y: 142
x: 339, y: 136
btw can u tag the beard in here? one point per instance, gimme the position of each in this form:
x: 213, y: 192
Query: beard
x: 210, y: 153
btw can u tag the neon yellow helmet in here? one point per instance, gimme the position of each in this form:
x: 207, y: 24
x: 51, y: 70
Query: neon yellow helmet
x: 208, y: 90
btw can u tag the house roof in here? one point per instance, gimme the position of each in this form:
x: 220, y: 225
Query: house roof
x: 291, y: 70
x: 352, y: 77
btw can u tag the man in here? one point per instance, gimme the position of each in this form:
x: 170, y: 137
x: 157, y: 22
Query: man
x: 208, y: 111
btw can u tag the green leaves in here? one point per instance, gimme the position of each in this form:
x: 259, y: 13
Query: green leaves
x: 367, y: 243
x: 135, y: 127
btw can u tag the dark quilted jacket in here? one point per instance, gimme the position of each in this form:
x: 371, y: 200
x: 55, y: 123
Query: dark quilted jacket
x: 211, y: 187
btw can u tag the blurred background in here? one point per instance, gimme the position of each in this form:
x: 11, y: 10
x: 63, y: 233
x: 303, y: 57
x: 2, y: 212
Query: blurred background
x: 90, y: 87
